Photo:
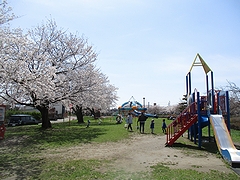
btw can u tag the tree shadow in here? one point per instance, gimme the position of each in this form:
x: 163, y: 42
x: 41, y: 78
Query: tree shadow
x: 208, y: 145
x: 237, y: 146
x: 20, y: 161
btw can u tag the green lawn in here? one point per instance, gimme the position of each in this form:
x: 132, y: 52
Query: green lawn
x: 18, y: 158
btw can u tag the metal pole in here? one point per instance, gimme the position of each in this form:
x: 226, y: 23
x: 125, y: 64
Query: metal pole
x: 199, y: 121
x: 190, y: 84
x: 144, y: 102
x: 213, y: 95
x: 228, y: 111
x: 207, y: 85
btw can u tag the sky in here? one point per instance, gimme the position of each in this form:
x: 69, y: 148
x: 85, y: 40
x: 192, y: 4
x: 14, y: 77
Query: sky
x: 147, y: 47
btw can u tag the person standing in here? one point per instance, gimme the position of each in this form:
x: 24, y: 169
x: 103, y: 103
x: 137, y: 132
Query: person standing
x: 142, y: 118
x: 164, y: 126
x: 152, y: 126
x: 88, y: 123
x: 130, y: 121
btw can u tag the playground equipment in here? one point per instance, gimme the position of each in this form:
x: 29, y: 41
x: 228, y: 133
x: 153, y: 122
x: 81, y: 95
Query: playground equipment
x: 135, y: 108
x: 211, y: 109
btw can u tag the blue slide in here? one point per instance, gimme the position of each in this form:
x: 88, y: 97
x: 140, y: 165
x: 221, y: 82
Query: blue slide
x: 137, y: 113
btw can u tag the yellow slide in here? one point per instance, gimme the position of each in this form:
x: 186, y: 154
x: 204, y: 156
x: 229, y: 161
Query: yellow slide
x: 224, y: 141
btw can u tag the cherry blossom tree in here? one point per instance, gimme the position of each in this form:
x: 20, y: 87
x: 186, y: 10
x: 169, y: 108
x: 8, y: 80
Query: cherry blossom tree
x: 44, y: 67
x: 49, y: 65
x: 5, y: 13
x: 101, y: 95
x: 6, y: 35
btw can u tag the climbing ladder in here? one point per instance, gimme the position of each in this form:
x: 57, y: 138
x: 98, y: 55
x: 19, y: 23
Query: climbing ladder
x: 182, y: 123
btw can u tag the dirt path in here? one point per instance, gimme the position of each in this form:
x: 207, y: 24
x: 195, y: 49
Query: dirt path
x: 140, y: 152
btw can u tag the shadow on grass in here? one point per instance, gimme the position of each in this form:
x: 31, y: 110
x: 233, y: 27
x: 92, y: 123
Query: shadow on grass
x: 102, y: 123
x: 237, y: 146
x: 208, y: 145
x: 69, y: 135
x: 21, y: 168
x: 20, y: 148
x: 56, y: 136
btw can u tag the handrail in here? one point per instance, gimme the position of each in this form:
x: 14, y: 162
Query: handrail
x: 181, y: 120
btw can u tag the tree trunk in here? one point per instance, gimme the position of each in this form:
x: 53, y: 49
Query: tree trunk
x: 45, y: 120
x: 96, y: 114
x: 91, y: 111
x: 78, y: 111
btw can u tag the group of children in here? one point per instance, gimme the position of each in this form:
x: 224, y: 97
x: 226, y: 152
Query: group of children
x: 142, y: 122
x: 164, y: 126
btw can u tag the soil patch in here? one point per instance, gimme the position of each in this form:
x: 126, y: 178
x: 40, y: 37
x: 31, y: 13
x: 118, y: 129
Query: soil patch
x: 140, y: 152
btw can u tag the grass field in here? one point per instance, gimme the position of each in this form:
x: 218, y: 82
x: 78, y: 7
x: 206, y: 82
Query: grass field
x: 19, y: 153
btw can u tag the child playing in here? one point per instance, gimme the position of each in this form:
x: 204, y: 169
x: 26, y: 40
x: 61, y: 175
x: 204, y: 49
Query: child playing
x: 152, y: 126
x: 164, y: 126
x: 88, y: 123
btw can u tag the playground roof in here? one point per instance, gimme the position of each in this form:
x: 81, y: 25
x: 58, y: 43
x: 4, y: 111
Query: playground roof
x: 200, y: 62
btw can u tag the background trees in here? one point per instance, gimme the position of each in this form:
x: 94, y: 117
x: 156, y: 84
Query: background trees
x: 100, y: 95
x: 234, y: 101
